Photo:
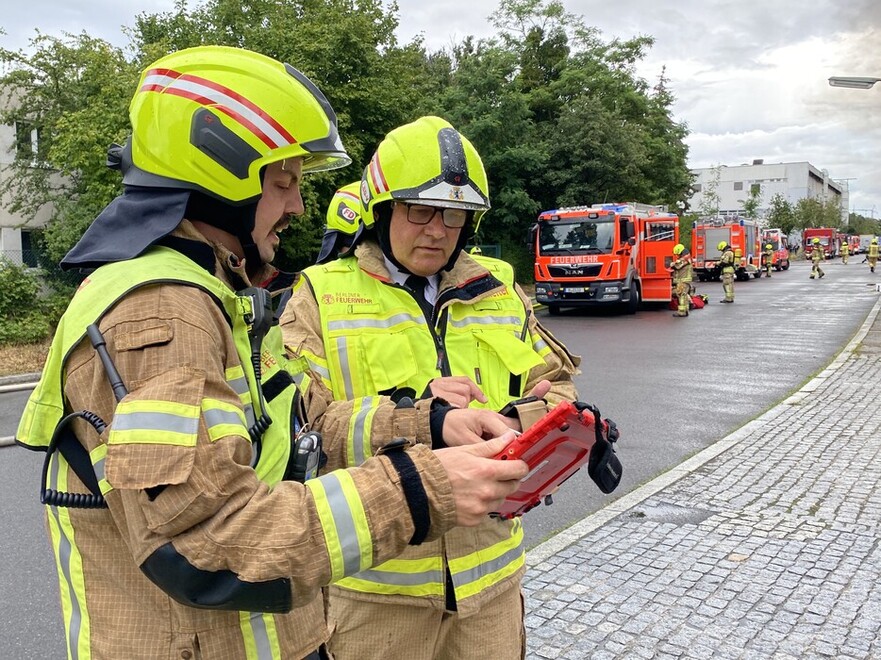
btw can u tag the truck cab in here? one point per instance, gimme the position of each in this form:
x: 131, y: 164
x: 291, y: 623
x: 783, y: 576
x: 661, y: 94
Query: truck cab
x: 604, y: 254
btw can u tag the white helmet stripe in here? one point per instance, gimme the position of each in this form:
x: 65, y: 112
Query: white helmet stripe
x: 197, y: 90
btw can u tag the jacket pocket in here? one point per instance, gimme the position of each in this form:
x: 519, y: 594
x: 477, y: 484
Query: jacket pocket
x: 389, y: 359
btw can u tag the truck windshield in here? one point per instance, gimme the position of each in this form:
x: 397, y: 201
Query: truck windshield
x: 576, y: 236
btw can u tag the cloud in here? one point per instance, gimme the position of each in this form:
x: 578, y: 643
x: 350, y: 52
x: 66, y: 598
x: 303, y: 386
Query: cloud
x: 749, y: 77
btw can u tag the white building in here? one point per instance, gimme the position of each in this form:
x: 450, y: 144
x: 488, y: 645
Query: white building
x: 794, y: 181
x: 15, y: 230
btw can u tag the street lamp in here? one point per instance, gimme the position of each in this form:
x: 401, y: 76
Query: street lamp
x: 853, y: 82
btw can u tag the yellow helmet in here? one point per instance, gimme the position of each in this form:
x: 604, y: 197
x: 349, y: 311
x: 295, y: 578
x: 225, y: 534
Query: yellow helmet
x: 815, y: 241
x: 343, y: 223
x: 721, y: 246
x: 769, y: 247
x: 875, y: 240
x: 210, y: 118
x: 679, y: 248
x: 425, y: 162
x: 344, y: 212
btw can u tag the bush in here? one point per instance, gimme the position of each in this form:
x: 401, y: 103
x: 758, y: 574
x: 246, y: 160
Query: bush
x: 25, y: 317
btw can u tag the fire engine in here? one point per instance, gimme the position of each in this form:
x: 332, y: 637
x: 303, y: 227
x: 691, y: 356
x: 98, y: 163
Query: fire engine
x: 777, y: 239
x: 829, y: 241
x: 604, y: 254
x: 740, y: 233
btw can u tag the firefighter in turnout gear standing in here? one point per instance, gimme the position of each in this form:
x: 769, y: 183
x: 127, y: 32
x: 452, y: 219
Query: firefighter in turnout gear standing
x: 183, y: 502
x: 682, y: 273
x: 726, y: 263
x: 768, y: 259
x: 845, y: 252
x: 411, y: 314
x: 817, y: 256
x: 872, y: 254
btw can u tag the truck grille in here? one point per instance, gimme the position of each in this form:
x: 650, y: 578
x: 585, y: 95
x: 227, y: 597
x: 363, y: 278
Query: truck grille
x: 578, y: 270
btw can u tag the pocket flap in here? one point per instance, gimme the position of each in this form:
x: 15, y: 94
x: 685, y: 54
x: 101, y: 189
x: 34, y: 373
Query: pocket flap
x: 154, y: 335
x: 517, y: 356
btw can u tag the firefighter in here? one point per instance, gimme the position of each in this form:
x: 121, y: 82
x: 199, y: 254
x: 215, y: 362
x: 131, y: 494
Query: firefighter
x: 768, y: 259
x: 343, y: 223
x: 872, y: 254
x: 428, y: 318
x: 168, y: 543
x: 817, y: 255
x: 726, y: 263
x: 845, y: 252
x: 681, y: 267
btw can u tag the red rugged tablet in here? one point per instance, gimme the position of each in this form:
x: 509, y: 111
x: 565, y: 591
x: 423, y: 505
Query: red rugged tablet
x: 555, y: 448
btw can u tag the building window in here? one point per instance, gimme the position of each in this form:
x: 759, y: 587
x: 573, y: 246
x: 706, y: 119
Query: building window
x: 738, y: 185
x: 28, y: 249
x: 755, y: 189
x: 27, y: 137
x: 696, y: 187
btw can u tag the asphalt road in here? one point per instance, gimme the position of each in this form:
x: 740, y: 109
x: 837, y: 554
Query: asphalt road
x: 674, y: 386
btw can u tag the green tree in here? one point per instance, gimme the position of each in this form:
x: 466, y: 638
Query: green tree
x: 752, y: 203
x: 781, y: 214
x: 75, y: 91
x: 812, y: 212
x: 710, y: 200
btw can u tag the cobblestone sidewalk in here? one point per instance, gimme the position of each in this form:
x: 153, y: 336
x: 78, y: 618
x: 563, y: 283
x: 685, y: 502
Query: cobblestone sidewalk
x: 765, y: 545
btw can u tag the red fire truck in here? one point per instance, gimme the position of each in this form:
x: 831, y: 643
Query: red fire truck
x: 605, y: 254
x: 829, y: 240
x: 778, y: 242
x: 740, y: 233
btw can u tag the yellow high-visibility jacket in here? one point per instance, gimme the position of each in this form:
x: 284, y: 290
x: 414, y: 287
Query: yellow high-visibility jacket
x: 365, y: 336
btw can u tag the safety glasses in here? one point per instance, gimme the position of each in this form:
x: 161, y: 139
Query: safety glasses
x: 420, y: 214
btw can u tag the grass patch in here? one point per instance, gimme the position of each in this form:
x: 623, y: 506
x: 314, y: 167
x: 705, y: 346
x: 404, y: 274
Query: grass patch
x: 24, y: 358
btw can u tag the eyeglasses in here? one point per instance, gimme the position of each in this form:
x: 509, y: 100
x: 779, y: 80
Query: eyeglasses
x: 419, y: 214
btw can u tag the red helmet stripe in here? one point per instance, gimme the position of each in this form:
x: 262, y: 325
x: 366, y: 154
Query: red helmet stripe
x: 378, y: 177
x: 208, y: 93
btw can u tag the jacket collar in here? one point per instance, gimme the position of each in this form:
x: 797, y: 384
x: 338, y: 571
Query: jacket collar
x: 467, y: 281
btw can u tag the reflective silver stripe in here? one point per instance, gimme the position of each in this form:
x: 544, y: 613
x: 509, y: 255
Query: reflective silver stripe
x: 99, y: 468
x: 261, y: 636
x: 358, y: 455
x: 462, y: 578
x: 401, y: 579
x: 324, y: 372
x: 344, y: 523
x: 216, y: 417
x: 250, y: 418
x: 239, y: 385
x: 540, y: 345
x: 53, y: 472
x: 486, y: 320
x: 343, y: 352
x: 64, y: 553
x: 155, y: 421
x: 397, y: 319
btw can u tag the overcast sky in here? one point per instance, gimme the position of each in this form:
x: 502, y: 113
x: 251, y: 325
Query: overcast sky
x: 750, y: 77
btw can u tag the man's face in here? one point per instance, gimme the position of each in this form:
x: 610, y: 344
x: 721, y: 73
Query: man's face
x: 421, y: 249
x: 280, y: 199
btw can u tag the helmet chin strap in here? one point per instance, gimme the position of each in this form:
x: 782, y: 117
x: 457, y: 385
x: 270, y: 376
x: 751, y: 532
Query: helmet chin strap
x: 235, y: 220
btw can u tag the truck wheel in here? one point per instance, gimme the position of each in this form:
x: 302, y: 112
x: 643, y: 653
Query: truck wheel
x: 633, y: 303
x: 553, y: 310
x: 786, y: 265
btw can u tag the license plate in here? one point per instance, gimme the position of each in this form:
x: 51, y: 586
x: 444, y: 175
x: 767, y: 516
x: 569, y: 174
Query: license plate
x: 574, y: 289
